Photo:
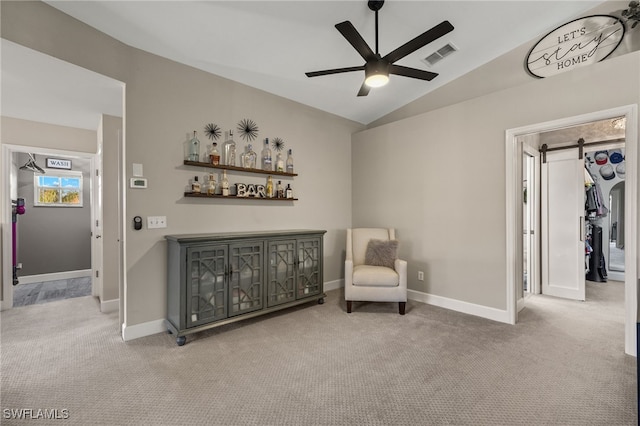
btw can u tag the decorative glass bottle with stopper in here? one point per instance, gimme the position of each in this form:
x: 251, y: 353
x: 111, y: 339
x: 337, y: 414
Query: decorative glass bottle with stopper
x: 289, y: 162
x: 194, y: 148
x: 224, y: 184
x: 249, y: 158
x: 279, y: 163
x: 229, y: 149
x: 279, y: 190
x: 211, y: 188
x: 214, y: 155
x: 266, y: 156
x: 269, y: 189
x: 195, y: 185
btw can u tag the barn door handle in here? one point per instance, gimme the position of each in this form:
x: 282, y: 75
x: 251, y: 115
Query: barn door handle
x: 581, y: 228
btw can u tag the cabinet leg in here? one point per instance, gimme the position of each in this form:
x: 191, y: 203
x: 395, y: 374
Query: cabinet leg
x: 321, y: 301
x: 181, y: 340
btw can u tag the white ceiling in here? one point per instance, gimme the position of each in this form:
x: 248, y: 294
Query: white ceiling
x: 271, y: 44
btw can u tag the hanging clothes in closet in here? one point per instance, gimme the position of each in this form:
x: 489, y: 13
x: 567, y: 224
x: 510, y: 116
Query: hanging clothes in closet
x: 595, y: 208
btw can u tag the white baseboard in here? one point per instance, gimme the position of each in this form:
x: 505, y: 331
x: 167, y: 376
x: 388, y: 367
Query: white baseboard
x: 333, y: 285
x: 54, y: 276
x: 460, y: 306
x: 107, y: 306
x: 158, y: 326
x: 443, y: 302
x: 141, y: 330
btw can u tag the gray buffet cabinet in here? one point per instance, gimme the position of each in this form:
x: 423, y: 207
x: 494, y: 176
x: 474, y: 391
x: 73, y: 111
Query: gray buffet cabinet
x: 217, y: 279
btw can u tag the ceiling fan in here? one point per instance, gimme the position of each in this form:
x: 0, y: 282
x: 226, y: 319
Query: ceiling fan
x: 377, y: 68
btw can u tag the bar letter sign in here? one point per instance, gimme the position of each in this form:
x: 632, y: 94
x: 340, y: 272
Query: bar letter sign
x: 56, y: 163
x: 577, y: 43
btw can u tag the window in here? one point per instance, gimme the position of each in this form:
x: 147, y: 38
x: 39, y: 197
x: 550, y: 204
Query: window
x: 58, y: 189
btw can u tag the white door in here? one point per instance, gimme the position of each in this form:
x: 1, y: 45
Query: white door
x: 563, y: 254
x: 530, y: 208
x: 96, y: 226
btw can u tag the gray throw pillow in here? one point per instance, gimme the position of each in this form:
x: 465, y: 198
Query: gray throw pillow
x: 381, y: 253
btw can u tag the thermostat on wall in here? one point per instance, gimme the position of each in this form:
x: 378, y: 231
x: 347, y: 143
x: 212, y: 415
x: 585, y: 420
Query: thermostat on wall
x: 138, y: 182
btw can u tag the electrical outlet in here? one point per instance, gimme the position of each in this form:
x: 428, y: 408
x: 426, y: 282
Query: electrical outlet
x: 420, y: 276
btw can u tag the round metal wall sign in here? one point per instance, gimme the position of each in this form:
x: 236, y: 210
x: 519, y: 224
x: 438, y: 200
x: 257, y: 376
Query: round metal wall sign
x: 580, y: 42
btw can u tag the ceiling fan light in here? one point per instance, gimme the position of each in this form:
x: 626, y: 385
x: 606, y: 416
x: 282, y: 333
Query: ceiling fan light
x: 376, y: 74
x: 376, y: 80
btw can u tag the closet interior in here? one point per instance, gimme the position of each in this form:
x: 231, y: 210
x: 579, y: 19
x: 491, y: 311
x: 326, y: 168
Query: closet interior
x: 604, y: 173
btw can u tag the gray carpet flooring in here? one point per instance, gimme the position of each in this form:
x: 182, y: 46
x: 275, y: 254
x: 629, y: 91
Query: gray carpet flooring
x: 562, y: 364
x: 50, y: 291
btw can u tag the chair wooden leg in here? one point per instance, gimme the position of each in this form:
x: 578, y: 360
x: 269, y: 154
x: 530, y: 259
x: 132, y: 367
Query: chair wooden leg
x: 348, y: 306
x: 401, y: 307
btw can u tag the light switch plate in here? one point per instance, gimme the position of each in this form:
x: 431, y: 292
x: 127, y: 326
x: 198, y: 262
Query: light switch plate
x: 156, y: 222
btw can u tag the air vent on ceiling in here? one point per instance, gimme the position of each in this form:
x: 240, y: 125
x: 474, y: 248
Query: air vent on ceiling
x: 440, y: 54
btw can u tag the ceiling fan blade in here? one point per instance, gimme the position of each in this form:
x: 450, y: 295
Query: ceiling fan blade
x: 334, y: 71
x: 423, y: 39
x: 412, y: 72
x: 364, y: 90
x: 353, y: 36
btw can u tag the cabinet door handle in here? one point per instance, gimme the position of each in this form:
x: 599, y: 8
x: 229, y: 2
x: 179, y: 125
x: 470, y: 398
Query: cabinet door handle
x: 230, y: 271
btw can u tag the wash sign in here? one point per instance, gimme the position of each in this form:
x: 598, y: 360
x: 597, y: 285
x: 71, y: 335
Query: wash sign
x: 56, y: 163
x: 577, y: 43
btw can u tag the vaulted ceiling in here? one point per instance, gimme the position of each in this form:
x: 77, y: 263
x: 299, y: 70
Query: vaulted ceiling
x: 270, y: 45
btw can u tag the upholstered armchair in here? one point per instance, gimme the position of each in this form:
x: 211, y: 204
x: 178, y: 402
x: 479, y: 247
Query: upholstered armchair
x: 372, y: 271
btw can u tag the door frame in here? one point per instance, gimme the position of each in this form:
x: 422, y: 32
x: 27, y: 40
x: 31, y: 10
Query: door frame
x: 7, y: 154
x: 514, y: 199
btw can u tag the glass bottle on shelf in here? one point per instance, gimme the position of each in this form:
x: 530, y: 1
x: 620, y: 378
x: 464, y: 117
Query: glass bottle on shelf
x: 229, y: 149
x: 266, y: 156
x: 242, y: 157
x: 195, y: 185
x: 214, y: 155
x: 289, y: 162
x: 269, y: 189
x: 211, y: 188
x: 224, y: 184
x: 288, y: 192
x: 194, y: 148
x: 279, y: 190
x: 249, y: 158
x: 279, y: 163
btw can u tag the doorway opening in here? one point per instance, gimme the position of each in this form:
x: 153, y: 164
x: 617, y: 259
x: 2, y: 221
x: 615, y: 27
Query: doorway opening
x: 53, y: 234
x: 45, y: 271
x: 55, y: 108
x: 515, y: 139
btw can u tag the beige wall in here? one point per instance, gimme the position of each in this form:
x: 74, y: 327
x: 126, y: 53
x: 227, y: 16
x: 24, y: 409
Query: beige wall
x: 166, y: 100
x: 15, y: 131
x: 441, y: 175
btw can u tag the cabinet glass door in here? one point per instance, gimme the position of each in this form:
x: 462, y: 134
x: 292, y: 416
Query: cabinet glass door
x: 282, y: 275
x: 206, y: 290
x: 309, y: 274
x: 246, y: 263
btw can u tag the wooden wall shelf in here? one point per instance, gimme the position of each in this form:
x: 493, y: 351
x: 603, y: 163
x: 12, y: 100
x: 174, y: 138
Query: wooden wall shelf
x: 237, y: 169
x: 233, y: 197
